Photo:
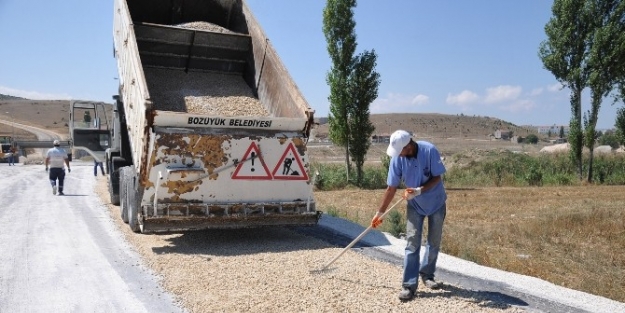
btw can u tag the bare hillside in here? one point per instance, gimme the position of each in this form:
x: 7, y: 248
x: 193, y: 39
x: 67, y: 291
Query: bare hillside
x: 49, y: 114
x: 451, y: 133
x: 434, y: 125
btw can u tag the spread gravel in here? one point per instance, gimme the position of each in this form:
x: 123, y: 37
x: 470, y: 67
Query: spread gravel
x: 274, y: 270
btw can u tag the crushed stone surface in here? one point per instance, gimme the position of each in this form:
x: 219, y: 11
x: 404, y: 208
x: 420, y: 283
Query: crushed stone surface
x: 274, y: 269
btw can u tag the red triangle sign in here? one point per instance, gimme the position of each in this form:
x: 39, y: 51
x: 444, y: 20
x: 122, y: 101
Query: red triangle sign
x: 290, y: 166
x: 252, y: 165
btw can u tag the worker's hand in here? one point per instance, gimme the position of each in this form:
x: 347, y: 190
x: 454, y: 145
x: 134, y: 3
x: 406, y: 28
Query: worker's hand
x: 410, y: 193
x: 377, y: 220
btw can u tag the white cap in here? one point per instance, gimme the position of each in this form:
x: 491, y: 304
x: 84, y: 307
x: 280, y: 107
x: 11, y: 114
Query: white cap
x: 56, y: 143
x: 399, y: 139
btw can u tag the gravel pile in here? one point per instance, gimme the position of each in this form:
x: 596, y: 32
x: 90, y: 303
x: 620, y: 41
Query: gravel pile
x: 205, y: 26
x: 273, y: 270
x: 202, y: 93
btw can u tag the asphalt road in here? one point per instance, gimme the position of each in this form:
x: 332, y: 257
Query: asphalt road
x: 63, y: 253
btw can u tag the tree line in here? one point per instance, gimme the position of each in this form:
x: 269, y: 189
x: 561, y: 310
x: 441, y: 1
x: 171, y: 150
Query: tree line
x: 585, y: 48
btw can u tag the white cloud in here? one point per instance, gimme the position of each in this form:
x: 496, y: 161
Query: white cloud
x: 398, y: 103
x: 463, y: 99
x: 502, y: 93
x: 519, y: 106
x: 555, y: 87
x: 33, y: 95
x: 420, y: 99
x: 536, y: 92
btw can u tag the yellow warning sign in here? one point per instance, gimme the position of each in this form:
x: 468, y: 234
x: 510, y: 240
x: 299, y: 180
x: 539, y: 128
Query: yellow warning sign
x: 290, y: 166
x: 252, y: 165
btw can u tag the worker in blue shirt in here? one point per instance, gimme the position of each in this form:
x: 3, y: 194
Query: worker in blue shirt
x: 418, y: 164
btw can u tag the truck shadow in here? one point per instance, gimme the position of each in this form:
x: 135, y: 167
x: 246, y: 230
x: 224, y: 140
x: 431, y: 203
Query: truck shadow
x: 233, y: 242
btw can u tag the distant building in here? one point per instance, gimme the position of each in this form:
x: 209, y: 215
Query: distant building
x: 503, y: 134
x: 554, y: 130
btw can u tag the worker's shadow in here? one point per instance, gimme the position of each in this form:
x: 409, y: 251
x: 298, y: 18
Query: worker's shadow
x: 485, y: 299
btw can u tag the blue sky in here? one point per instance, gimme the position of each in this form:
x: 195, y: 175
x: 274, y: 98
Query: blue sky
x: 452, y: 57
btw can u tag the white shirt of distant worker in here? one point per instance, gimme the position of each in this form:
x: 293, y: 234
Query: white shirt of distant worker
x: 56, y: 159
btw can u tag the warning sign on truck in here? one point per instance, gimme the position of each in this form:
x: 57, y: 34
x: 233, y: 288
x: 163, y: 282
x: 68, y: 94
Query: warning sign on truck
x: 252, y: 165
x: 290, y: 166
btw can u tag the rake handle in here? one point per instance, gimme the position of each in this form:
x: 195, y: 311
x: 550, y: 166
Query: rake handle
x: 351, y: 244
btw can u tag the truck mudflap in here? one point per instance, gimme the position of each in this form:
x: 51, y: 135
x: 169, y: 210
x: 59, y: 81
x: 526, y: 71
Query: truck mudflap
x: 171, y: 217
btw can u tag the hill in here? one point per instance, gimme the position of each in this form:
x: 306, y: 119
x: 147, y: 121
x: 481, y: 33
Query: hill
x: 434, y: 125
x: 451, y: 133
x: 53, y: 115
x: 49, y: 114
x: 7, y: 97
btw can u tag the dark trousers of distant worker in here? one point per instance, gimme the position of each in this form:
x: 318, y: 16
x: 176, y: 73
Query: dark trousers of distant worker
x: 57, y: 173
x: 95, y: 168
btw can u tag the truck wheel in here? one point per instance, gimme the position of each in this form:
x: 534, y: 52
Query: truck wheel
x: 115, y: 164
x: 113, y: 193
x: 123, y: 198
x: 132, y: 203
x: 133, y: 212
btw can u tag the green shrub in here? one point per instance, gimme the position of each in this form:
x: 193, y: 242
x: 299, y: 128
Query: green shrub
x: 396, y: 224
x: 534, y: 177
x: 332, y: 211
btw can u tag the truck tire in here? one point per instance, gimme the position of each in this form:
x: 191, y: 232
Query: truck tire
x: 112, y: 194
x: 123, y: 197
x: 114, y: 164
x: 131, y: 201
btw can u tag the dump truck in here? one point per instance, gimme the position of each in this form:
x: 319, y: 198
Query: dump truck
x: 208, y: 129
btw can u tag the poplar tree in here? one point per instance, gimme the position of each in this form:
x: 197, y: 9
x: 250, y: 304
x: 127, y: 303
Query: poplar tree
x: 565, y: 54
x: 353, y: 85
x: 338, y: 28
x: 605, y: 60
x: 364, y: 83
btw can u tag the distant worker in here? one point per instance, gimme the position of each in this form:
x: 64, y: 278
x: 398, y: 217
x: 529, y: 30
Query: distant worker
x: 12, y: 155
x: 87, y: 119
x: 418, y: 164
x: 97, y: 163
x: 56, y: 159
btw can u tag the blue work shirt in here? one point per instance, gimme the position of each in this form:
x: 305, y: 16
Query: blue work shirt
x: 415, y: 172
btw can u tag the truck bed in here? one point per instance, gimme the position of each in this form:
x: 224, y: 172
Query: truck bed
x: 206, y: 93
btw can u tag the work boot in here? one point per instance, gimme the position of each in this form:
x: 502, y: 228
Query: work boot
x: 61, y: 193
x: 431, y: 283
x: 406, y: 294
x: 53, y: 190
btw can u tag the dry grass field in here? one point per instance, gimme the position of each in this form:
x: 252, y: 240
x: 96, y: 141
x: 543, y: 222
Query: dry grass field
x: 572, y: 236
